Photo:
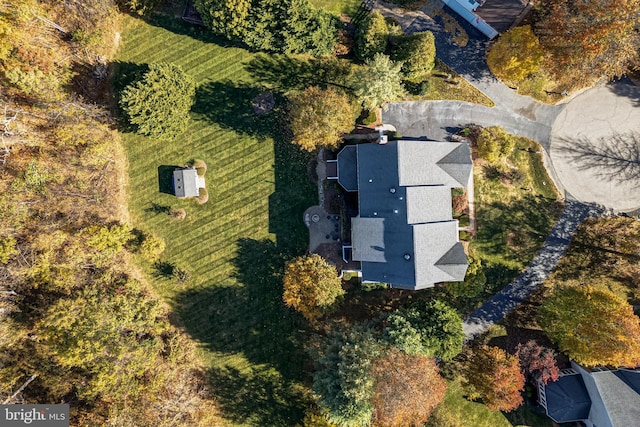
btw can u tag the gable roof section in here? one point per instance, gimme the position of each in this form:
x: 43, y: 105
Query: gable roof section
x: 428, y: 204
x: 454, y: 262
x: 620, y: 399
x: 437, y: 243
x: 567, y: 399
x: 185, y: 182
x: 416, y: 160
x: 348, y: 168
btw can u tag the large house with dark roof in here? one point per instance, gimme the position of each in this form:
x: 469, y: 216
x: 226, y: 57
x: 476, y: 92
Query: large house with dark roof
x: 596, y: 397
x: 404, y: 233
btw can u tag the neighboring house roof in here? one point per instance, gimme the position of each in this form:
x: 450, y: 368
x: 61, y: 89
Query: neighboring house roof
x: 567, y: 399
x: 185, y: 182
x: 613, y: 397
x: 404, y: 234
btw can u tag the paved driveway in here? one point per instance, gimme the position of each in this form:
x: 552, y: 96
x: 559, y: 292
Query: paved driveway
x: 595, y: 147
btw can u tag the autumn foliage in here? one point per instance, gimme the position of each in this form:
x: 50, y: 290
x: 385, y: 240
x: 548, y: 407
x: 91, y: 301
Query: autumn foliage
x: 407, y: 389
x: 320, y: 117
x: 585, y: 40
x: 311, y: 286
x: 538, y: 362
x: 494, y: 376
x: 515, y: 55
x: 593, y: 326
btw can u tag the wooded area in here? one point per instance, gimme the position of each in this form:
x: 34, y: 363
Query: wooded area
x: 78, y: 322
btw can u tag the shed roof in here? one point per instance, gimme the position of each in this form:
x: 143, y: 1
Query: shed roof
x: 185, y: 182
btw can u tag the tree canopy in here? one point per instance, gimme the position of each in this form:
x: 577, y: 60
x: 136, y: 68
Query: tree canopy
x: 592, y: 326
x: 494, y: 143
x: 286, y: 26
x: 585, y: 40
x: 343, y: 381
x: 495, y: 376
x: 379, y: 82
x: 417, y: 52
x: 320, y: 117
x: 431, y: 329
x: 311, y: 286
x: 158, y: 105
x: 372, y: 36
x: 515, y: 55
x: 407, y: 389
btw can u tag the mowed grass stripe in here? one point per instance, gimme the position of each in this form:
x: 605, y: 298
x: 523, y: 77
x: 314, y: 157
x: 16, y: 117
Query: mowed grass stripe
x: 232, y: 304
x: 229, y: 232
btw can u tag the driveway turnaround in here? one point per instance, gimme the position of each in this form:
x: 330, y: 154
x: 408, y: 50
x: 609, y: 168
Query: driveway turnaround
x: 595, y: 147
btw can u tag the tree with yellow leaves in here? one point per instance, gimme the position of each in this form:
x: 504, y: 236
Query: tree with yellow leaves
x: 592, y: 326
x: 320, y: 117
x: 311, y: 286
x: 515, y: 55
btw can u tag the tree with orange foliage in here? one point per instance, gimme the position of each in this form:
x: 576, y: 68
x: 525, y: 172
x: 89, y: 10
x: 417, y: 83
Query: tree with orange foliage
x: 494, y: 376
x: 407, y: 389
x: 593, y: 326
x: 311, y: 286
x: 590, y: 39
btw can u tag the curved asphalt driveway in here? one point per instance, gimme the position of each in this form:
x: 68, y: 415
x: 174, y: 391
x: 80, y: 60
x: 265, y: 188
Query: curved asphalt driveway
x: 556, y: 127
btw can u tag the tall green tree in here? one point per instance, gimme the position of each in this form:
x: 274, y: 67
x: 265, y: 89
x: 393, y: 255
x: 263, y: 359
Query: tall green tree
x: 379, y: 82
x: 372, y: 36
x: 320, y: 117
x: 417, y: 52
x: 431, y: 329
x: 343, y: 381
x: 158, y: 105
x: 592, y: 326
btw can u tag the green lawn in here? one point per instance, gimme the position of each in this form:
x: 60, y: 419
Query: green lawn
x: 457, y: 411
x: 337, y: 7
x: 514, y: 214
x: 235, y: 245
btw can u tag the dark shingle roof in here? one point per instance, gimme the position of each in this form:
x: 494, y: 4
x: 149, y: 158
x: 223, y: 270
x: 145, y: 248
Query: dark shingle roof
x: 405, y: 228
x: 568, y: 399
x: 348, y: 168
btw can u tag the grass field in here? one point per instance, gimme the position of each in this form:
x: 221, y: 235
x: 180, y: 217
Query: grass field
x: 456, y: 410
x: 514, y: 215
x: 235, y: 245
x: 337, y: 7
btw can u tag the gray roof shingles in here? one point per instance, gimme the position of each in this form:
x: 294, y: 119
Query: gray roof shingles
x: 405, y: 228
x: 185, y: 182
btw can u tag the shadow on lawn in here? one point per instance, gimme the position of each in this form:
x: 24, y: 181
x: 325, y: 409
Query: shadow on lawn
x: 229, y: 104
x: 165, y: 179
x: 250, y: 319
x: 286, y: 72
